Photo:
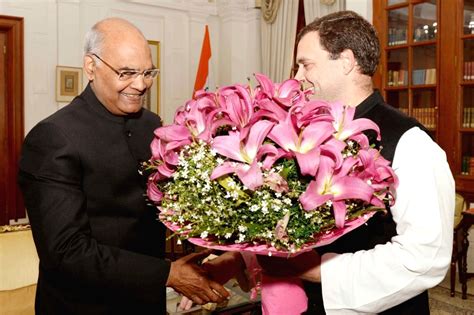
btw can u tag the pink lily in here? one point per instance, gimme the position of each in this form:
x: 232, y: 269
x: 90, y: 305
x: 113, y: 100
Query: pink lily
x: 377, y: 170
x: 335, y: 186
x: 194, y: 121
x: 153, y: 193
x: 175, y: 136
x: 345, y: 124
x: 236, y: 103
x: 246, y: 152
x: 312, y: 111
x: 164, y: 160
x: 288, y: 93
x: 303, y: 143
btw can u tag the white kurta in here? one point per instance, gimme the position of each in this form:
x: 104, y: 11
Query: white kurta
x: 418, y: 257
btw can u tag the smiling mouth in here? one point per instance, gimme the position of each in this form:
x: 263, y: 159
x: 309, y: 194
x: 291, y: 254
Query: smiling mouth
x: 133, y: 96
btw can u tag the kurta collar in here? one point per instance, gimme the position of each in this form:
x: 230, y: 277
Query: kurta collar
x: 369, y: 103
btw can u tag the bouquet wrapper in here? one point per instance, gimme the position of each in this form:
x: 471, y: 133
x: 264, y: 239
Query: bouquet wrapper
x: 275, y: 290
x: 285, y: 296
x: 282, y: 295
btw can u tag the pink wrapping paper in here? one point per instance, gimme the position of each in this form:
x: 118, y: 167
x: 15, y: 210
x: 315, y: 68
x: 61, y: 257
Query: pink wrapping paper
x: 263, y: 249
x: 280, y: 296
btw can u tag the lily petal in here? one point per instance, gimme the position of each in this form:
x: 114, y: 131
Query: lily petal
x: 311, y: 199
x: 339, y: 209
x: 251, y: 176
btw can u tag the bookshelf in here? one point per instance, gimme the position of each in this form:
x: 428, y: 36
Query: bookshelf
x: 427, y: 71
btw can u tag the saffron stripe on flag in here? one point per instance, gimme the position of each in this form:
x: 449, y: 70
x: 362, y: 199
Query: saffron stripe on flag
x: 203, y: 68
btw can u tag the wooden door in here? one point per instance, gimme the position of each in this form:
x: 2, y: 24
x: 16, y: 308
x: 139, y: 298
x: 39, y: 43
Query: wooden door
x: 11, y: 116
x: 3, y: 127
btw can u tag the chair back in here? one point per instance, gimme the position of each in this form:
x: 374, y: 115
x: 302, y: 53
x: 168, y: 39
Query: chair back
x: 460, y: 206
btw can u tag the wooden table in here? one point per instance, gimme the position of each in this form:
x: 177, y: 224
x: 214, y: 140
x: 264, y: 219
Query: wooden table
x: 466, y: 223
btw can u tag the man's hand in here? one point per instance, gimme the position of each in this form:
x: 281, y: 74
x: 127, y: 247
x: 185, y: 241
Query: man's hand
x: 228, y: 265
x: 189, y: 279
x: 221, y: 269
x: 305, y: 266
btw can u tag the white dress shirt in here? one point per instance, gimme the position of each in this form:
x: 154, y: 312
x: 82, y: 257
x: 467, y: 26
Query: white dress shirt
x: 418, y: 257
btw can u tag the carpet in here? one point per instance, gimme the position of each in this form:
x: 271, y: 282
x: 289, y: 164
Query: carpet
x: 441, y: 303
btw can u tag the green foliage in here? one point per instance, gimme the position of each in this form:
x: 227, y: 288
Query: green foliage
x: 225, y: 211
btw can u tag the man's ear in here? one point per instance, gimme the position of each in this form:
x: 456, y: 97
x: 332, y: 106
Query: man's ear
x: 89, y: 67
x: 349, y: 63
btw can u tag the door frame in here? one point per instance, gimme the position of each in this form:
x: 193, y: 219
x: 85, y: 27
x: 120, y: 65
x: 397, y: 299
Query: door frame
x: 13, y: 27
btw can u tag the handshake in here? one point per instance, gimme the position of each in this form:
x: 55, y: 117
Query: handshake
x: 203, y: 283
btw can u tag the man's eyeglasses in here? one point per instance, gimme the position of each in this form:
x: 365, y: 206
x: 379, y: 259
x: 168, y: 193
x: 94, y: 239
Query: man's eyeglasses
x: 125, y: 75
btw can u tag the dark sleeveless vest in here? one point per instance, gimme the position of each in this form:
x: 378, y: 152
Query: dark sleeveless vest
x: 381, y: 227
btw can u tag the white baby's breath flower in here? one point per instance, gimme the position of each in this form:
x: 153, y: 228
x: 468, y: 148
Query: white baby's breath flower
x: 242, y: 228
x: 204, y: 234
x: 228, y: 235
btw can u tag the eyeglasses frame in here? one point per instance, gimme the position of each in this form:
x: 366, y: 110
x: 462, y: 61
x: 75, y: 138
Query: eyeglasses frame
x: 120, y: 74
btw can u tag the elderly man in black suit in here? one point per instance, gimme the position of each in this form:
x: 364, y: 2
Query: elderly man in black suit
x: 100, y: 246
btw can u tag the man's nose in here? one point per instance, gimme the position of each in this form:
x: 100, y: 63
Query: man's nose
x: 300, y: 74
x: 139, y: 83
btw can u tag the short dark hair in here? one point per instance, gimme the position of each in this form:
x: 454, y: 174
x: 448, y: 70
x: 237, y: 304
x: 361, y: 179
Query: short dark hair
x: 347, y: 30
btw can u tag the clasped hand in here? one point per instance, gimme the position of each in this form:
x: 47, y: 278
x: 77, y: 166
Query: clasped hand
x: 192, y: 281
x: 221, y: 269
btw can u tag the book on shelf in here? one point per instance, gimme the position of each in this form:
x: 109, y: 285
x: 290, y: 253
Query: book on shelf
x: 467, y: 167
x: 468, y: 117
x: 468, y: 71
x: 424, y: 76
x: 426, y: 116
x: 430, y: 77
x: 397, y: 77
x: 397, y: 36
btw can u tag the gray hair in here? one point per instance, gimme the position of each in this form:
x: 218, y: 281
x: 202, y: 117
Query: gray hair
x: 93, y: 41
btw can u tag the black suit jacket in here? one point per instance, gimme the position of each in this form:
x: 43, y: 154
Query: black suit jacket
x: 100, y: 246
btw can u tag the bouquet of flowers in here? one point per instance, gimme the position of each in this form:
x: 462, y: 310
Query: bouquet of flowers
x: 266, y: 170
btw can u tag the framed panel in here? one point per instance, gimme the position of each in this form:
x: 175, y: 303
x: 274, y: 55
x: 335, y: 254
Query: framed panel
x: 152, y: 98
x: 68, y: 83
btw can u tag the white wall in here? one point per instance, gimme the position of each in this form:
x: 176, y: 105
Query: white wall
x: 362, y: 7
x: 54, y: 31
